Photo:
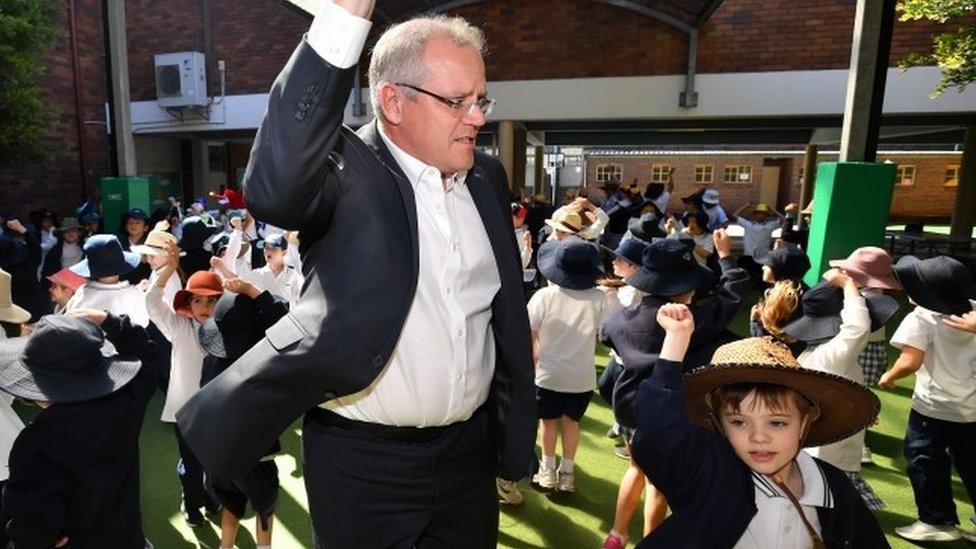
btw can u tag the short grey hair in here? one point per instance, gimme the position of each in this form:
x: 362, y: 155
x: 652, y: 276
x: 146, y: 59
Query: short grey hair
x: 399, y: 53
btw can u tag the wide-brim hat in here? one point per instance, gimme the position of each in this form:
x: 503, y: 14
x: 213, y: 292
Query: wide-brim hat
x: 65, y: 359
x: 762, y: 207
x: 10, y: 312
x: 645, y: 229
x: 787, y: 263
x: 808, y: 210
x: 845, y: 406
x: 668, y: 268
x: 156, y: 241
x: 571, y: 263
x: 69, y: 223
x: 134, y: 213
x: 104, y: 256
x: 67, y: 278
x: 870, y: 267
x: 821, y: 322
x: 630, y: 250
x: 566, y: 221
x: 694, y: 198
x: 200, y: 283
x: 941, y: 284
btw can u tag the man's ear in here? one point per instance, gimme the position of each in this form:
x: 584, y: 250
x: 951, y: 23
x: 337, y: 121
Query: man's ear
x: 391, y: 102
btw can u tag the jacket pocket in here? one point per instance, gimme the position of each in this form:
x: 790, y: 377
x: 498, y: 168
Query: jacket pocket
x: 285, y: 332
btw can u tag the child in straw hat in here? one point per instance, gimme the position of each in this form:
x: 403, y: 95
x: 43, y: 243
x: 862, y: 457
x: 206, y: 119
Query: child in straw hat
x: 725, y: 444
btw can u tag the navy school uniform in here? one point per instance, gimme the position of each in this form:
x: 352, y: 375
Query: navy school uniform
x: 634, y: 333
x: 709, y: 489
x: 74, y: 471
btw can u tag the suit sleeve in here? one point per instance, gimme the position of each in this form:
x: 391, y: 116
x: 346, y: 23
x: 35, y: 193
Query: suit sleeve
x: 292, y: 176
x: 35, y: 497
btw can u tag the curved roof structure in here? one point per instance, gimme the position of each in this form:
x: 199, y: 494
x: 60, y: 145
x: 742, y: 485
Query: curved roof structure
x: 682, y: 14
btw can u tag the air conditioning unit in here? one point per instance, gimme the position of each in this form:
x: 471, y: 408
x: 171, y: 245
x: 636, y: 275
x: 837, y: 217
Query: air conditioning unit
x: 181, y: 79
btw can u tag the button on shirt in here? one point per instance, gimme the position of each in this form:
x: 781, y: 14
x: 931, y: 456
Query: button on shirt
x: 443, y: 364
x: 776, y: 522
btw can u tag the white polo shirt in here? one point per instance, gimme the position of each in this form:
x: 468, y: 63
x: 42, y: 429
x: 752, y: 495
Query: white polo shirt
x: 945, y: 385
x: 777, y: 523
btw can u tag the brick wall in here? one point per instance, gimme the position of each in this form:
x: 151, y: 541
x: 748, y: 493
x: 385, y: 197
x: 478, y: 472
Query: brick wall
x: 57, y: 184
x: 928, y: 198
x: 255, y: 38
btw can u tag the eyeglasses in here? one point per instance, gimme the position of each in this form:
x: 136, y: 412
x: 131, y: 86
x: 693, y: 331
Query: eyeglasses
x: 459, y: 106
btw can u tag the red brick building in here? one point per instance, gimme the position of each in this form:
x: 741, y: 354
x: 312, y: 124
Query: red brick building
x: 568, y: 71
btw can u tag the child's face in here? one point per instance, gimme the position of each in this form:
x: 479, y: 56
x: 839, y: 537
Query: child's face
x: 765, y: 439
x: 693, y: 227
x: 624, y: 268
x: 274, y: 256
x: 768, y: 275
x: 135, y: 227
x: 60, y: 294
x: 155, y: 261
x: 71, y: 236
x: 202, y: 307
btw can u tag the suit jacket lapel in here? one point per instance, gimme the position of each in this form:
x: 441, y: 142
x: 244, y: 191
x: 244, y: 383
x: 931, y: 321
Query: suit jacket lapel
x: 370, y: 135
x: 493, y: 218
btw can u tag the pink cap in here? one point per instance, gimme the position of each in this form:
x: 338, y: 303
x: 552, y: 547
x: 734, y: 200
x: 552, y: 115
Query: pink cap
x: 870, y: 267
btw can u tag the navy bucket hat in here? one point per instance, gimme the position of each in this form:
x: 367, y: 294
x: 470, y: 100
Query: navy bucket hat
x: 571, y: 263
x: 668, y: 268
x: 104, y: 257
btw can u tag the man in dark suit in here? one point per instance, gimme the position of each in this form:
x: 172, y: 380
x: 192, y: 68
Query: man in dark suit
x: 409, y: 348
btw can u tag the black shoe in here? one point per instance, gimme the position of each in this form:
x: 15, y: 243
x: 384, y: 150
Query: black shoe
x: 193, y: 517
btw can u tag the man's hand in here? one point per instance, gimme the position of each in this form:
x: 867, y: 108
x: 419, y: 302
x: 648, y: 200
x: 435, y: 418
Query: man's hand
x: 359, y: 8
x: 966, y: 322
x: 723, y: 243
x: 16, y: 226
x: 241, y: 286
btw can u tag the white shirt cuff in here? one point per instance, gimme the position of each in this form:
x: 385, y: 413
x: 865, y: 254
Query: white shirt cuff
x: 338, y: 36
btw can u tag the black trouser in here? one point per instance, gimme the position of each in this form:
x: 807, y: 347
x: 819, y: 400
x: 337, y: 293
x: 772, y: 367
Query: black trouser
x: 932, y: 447
x: 191, y: 477
x: 365, y: 490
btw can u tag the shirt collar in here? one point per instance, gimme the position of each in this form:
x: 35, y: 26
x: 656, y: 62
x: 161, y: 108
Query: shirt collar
x: 816, y: 492
x: 414, y: 168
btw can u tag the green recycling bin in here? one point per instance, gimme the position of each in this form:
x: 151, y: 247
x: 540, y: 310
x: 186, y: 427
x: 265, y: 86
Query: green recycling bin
x: 121, y: 194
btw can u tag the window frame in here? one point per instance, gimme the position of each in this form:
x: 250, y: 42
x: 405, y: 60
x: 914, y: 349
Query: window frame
x: 706, y: 169
x: 663, y: 175
x: 900, y: 175
x: 616, y: 173
x: 951, y: 182
x: 738, y: 169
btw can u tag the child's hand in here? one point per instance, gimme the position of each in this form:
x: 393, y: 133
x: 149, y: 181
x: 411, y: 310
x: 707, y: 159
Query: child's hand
x: 886, y: 381
x: 236, y: 223
x: 92, y: 315
x: 966, y: 322
x: 62, y: 541
x: 172, y: 255
x: 837, y: 277
x: 676, y: 318
x: 723, y: 244
x: 241, y: 286
x: 16, y: 226
x: 755, y: 313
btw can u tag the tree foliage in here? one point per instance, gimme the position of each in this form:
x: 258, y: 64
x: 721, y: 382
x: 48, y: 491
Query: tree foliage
x: 953, y: 52
x: 27, y: 31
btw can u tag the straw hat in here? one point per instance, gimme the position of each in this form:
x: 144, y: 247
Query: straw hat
x: 156, y: 241
x: 566, y: 221
x: 845, y: 406
x: 762, y: 207
x: 8, y: 311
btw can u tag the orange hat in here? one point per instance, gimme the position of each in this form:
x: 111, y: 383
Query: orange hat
x: 202, y: 283
x: 66, y: 277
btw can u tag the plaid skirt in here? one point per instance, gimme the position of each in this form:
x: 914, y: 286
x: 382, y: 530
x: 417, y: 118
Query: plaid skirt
x: 869, y: 496
x: 874, y: 361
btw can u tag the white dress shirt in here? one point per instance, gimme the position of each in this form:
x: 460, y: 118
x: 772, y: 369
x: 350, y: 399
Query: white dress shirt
x: 120, y: 298
x: 442, y: 366
x: 287, y: 284
x: 186, y: 358
x: 776, y: 522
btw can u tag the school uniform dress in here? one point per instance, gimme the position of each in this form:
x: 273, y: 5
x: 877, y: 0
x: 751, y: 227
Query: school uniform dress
x: 568, y: 322
x: 942, y: 423
x: 716, y: 499
x: 120, y: 298
x: 74, y: 471
x: 839, y: 356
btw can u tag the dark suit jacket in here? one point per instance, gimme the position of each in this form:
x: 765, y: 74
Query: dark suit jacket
x: 357, y: 216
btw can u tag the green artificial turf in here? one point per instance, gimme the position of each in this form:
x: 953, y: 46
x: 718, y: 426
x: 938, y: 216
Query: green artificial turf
x: 562, y: 521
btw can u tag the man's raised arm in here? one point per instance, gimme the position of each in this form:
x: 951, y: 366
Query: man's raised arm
x: 290, y: 180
